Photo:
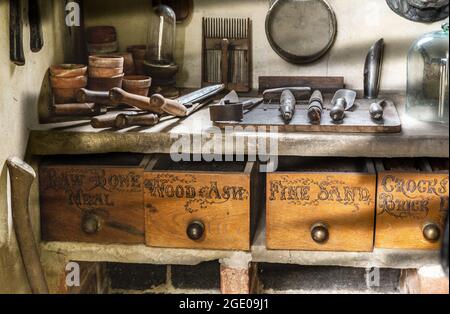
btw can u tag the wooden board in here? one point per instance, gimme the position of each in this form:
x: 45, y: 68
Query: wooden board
x: 345, y: 202
x: 113, y: 194
x: 326, y: 84
x: 220, y: 200
x: 407, y: 201
x: 357, y: 121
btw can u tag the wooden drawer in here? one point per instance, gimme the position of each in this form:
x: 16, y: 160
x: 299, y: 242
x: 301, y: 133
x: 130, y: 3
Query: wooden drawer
x: 198, y: 205
x: 94, y: 199
x: 412, y: 203
x: 321, y: 204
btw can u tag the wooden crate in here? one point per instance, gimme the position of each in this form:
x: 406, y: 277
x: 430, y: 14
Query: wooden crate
x: 220, y: 196
x: 310, y: 197
x: 93, y: 199
x: 412, y: 194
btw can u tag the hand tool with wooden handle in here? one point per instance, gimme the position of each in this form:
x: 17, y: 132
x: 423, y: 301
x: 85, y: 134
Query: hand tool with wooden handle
x: 287, y: 105
x: 376, y: 110
x: 119, y: 96
x: 34, y: 19
x: 22, y: 177
x: 169, y: 106
x: 315, y: 108
x: 16, y: 33
x: 126, y: 120
x: 78, y: 110
x: 343, y: 100
x: 89, y: 96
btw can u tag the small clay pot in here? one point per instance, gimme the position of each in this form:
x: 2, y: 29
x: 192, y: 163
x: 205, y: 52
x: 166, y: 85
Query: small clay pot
x: 128, y: 64
x: 106, y: 61
x: 104, y: 72
x: 68, y: 70
x: 139, y: 55
x: 137, y: 84
x: 103, y: 48
x: 101, y: 34
x: 105, y: 84
x: 68, y: 82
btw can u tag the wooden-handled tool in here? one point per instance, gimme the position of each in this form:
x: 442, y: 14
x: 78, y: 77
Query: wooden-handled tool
x: 34, y: 19
x: 125, y: 120
x: 89, y: 96
x: 169, y: 106
x: 22, y: 177
x: 16, y: 33
x: 315, y: 108
x: 343, y: 100
x: 119, y: 96
x: 82, y: 109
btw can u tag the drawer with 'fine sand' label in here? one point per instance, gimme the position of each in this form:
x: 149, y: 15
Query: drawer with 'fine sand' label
x: 321, y: 204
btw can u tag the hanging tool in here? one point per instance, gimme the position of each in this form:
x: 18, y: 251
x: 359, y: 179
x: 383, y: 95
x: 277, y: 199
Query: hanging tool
x: 34, y: 19
x: 16, y: 33
x: 343, y: 100
x: 376, y: 110
x: 372, y: 70
x: 315, y: 108
x: 22, y: 177
x: 230, y: 108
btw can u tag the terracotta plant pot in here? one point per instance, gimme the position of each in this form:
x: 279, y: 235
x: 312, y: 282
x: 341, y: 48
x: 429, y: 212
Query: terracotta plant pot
x: 137, y: 84
x: 104, y: 72
x: 103, y: 48
x: 105, y: 84
x: 68, y: 82
x: 106, y: 61
x: 139, y: 54
x: 68, y: 70
x: 128, y: 64
x: 101, y: 34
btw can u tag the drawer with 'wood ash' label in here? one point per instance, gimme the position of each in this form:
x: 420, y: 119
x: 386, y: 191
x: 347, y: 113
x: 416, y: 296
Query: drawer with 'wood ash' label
x: 321, y: 204
x: 201, y: 205
x: 93, y: 199
x: 412, y: 203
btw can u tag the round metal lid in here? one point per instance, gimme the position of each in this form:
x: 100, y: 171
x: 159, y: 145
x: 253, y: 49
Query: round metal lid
x: 301, y: 31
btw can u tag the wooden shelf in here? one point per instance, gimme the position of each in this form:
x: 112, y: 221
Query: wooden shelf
x: 417, y: 139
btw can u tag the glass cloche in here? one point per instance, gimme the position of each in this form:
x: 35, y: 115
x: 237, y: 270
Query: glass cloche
x: 427, y: 90
x: 161, y: 36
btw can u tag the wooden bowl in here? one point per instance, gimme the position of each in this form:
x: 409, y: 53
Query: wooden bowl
x: 68, y: 70
x: 104, y: 72
x: 101, y: 34
x: 137, y: 84
x: 106, y: 61
x: 105, y: 84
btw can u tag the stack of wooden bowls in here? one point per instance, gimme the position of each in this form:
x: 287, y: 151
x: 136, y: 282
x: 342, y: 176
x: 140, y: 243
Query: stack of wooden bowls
x: 102, y: 40
x: 66, y: 80
x: 139, y: 53
x: 105, y: 72
x: 137, y: 84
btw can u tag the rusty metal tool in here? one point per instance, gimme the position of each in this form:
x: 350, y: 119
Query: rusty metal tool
x: 343, y: 100
x: 230, y: 108
x: 17, y: 55
x: 34, y: 19
x: 22, y: 177
x: 315, y: 108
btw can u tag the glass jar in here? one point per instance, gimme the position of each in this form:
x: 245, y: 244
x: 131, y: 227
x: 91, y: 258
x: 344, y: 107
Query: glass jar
x: 427, y: 90
x: 161, y: 36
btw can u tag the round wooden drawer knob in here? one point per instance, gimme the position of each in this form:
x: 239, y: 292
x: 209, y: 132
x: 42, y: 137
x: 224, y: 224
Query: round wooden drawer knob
x: 90, y: 224
x: 432, y: 232
x: 320, y: 233
x: 195, y: 230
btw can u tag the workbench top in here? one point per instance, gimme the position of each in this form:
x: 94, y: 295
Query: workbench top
x: 417, y: 139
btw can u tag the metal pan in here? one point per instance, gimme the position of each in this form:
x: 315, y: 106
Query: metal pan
x: 301, y: 31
